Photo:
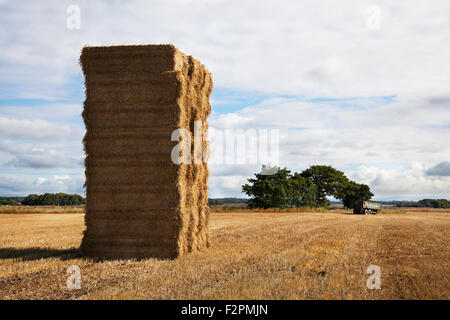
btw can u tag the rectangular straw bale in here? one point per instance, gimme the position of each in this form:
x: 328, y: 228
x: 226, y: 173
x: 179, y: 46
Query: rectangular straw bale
x: 139, y: 203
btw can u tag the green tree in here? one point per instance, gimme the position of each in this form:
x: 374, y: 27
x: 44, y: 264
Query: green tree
x: 434, y: 203
x: 309, y: 188
x: 268, y: 191
x: 31, y: 200
x: 8, y: 202
x: 328, y: 180
x: 215, y: 202
x: 52, y: 199
x: 304, y: 192
x: 48, y: 199
x: 351, y: 191
x: 76, y: 199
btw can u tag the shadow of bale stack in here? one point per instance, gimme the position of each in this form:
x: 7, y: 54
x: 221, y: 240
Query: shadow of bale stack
x: 139, y: 203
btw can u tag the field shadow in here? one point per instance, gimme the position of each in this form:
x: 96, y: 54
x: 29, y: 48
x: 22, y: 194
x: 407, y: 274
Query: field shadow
x: 36, y: 253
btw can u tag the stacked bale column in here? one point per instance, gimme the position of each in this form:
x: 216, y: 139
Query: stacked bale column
x: 139, y: 203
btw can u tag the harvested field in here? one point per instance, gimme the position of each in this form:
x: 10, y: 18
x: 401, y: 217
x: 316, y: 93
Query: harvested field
x: 42, y: 209
x: 253, y: 255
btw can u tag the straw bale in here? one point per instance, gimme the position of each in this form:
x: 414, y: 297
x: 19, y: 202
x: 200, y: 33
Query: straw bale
x: 139, y: 203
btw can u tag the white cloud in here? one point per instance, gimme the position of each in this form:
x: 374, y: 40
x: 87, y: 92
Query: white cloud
x: 24, y: 185
x: 318, y: 132
x: 406, y: 182
x: 52, y: 112
x: 303, y: 47
x: 35, y: 129
x: 29, y: 156
x: 333, y: 134
x: 226, y: 186
x: 307, y: 49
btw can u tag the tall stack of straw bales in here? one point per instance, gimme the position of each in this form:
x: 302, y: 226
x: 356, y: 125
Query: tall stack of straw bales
x: 139, y: 203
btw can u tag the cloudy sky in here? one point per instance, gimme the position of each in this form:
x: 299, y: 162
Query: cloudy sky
x: 363, y: 86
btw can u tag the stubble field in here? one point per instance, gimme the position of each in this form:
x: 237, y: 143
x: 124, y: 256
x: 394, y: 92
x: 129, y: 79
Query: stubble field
x: 254, y: 255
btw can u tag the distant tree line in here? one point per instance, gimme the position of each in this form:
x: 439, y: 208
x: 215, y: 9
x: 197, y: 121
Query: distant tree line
x: 215, y: 202
x: 53, y: 199
x: 8, y: 202
x: 309, y: 188
x: 221, y: 201
x: 426, y: 203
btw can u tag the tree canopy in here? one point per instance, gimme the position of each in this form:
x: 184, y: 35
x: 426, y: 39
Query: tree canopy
x: 269, y: 190
x: 304, y: 192
x: 329, y: 182
x: 434, y: 203
x: 8, y: 202
x: 53, y: 199
x: 352, y: 191
x: 310, y: 188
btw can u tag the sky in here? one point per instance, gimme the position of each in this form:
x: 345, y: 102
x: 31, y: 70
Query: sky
x: 362, y: 86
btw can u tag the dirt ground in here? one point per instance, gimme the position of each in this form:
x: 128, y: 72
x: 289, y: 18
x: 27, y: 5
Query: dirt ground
x: 254, y: 255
